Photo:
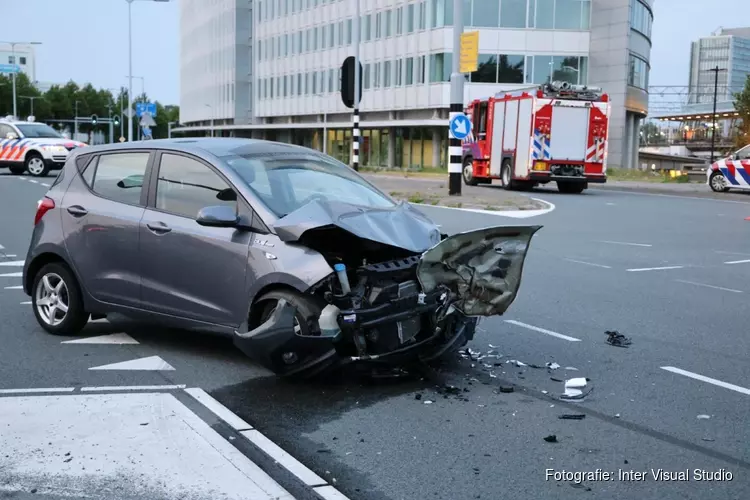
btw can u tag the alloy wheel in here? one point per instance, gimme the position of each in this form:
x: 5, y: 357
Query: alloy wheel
x: 36, y: 166
x: 52, y: 299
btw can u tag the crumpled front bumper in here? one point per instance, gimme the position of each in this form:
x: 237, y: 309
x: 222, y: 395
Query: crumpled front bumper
x: 471, y: 274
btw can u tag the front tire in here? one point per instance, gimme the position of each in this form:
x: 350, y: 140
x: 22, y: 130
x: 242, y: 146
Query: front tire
x: 17, y: 169
x: 36, y: 165
x: 57, y: 300
x: 467, y: 172
x: 718, y: 183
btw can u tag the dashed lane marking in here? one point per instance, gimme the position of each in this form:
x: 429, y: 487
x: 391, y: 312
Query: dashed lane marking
x: 709, y: 380
x: 113, y: 338
x: 17, y: 287
x: 44, y: 184
x: 115, y: 388
x: 542, y: 330
x: 26, y: 303
x: 36, y: 390
x: 709, y: 286
x: 588, y: 263
x: 738, y: 261
x: 626, y: 243
x: 642, y: 269
x: 11, y: 275
x: 12, y: 263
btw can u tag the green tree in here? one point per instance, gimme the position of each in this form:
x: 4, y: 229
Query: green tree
x: 742, y: 105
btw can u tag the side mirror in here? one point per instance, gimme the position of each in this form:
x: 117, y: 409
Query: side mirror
x: 133, y: 181
x: 217, y: 216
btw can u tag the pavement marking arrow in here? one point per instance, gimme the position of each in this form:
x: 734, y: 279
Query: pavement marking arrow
x: 113, y: 338
x: 151, y: 363
x: 13, y: 263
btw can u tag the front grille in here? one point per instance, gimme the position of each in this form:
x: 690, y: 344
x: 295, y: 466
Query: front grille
x: 59, y: 159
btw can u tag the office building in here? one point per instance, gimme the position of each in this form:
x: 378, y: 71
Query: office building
x: 20, y: 55
x: 270, y: 68
x: 727, y: 49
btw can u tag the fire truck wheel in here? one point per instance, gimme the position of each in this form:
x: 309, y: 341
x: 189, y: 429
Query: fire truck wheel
x: 571, y: 187
x: 505, y: 175
x: 468, y: 172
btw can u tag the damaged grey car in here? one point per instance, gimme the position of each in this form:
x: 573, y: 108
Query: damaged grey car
x: 303, y: 261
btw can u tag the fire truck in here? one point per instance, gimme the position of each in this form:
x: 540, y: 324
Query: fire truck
x: 552, y: 132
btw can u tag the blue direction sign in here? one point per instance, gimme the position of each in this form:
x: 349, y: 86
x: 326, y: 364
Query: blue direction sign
x: 9, y: 68
x: 460, y: 126
x: 145, y: 107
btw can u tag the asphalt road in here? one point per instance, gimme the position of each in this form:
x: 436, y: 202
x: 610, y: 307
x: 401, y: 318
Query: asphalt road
x: 592, y: 268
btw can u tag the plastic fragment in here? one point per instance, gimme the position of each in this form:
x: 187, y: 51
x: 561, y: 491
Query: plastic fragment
x: 572, y: 416
x: 703, y: 417
x: 506, y: 388
x: 571, y: 368
x: 553, y: 366
x: 427, y: 402
x: 551, y: 438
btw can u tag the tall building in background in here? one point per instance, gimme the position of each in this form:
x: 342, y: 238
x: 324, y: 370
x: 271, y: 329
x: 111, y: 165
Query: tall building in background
x: 729, y: 49
x: 270, y: 68
x: 22, y: 56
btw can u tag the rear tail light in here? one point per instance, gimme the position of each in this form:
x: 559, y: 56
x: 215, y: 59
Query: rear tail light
x: 44, y: 205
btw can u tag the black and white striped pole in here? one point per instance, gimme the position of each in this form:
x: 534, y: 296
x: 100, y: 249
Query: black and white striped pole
x: 457, y: 104
x: 357, y: 96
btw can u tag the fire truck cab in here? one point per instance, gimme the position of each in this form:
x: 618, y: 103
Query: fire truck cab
x: 553, y: 132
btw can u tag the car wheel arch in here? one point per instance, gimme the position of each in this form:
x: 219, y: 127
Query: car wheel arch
x: 39, y: 262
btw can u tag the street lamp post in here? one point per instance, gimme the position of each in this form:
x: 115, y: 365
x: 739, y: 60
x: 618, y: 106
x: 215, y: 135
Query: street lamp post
x: 713, y: 117
x: 325, y: 124
x: 31, y: 98
x: 13, y: 56
x: 457, y: 100
x: 355, y: 114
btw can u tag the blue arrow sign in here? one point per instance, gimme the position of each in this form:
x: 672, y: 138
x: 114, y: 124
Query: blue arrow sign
x: 460, y: 126
x: 9, y: 68
x: 145, y: 107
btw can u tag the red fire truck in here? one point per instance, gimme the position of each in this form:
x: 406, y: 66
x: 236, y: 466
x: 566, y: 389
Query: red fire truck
x: 553, y: 132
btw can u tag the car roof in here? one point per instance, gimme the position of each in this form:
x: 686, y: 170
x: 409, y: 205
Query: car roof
x: 217, y: 146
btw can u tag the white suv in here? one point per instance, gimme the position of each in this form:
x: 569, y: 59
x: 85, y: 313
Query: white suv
x: 33, y: 147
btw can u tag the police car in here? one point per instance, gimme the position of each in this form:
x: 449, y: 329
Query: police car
x: 33, y: 147
x: 732, y: 172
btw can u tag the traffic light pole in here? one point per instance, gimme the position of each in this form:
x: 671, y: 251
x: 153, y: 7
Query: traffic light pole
x: 457, y: 103
x: 357, y: 97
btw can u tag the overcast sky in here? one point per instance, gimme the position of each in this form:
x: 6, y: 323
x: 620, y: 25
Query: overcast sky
x: 86, y: 40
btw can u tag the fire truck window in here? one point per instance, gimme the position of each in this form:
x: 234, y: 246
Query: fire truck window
x: 482, y: 125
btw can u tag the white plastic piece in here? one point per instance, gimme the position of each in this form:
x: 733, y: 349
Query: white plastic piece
x: 329, y: 327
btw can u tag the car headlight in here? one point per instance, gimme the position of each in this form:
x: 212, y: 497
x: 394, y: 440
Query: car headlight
x: 55, y: 149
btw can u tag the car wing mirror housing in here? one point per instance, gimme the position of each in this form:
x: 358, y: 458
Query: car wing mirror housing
x: 218, y: 216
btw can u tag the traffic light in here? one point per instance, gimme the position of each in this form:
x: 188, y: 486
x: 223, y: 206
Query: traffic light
x: 94, y: 119
x: 347, y: 82
x: 116, y: 121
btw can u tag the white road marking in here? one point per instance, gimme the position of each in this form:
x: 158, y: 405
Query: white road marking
x: 35, y: 390
x: 731, y: 253
x: 654, y: 269
x: 44, y: 184
x: 626, y: 243
x: 219, y: 409
x: 133, y: 388
x: 516, y: 214
x: 9, y: 255
x: 285, y: 459
x: 26, y: 303
x: 179, y: 454
x: 610, y: 204
x: 670, y: 196
x: 709, y: 380
x: 542, y: 330
x: 710, y: 286
x: 32, y: 180
x: 12, y: 263
x: 738, y: 261
x: 17, y: 287
x: 113, y: 338
x: 151, y: 363
x: 588, y: 263
x: 11, y: 275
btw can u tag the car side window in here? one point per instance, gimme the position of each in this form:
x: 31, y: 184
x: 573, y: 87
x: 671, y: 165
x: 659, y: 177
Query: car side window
x: 4, y: 131
x: 185, y: 186
x: 744, y: 153
x: 119, y: 176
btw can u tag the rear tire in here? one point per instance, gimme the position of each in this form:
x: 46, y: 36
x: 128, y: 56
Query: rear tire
x: 467, y: 172
x: 17, y: 169
x: 57, y: 300
x: 506, y: 175
x: 35, y: 165
x: 571, y: 187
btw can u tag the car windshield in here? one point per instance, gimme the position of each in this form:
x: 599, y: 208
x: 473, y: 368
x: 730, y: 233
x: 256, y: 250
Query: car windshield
x: 38, y: 130
x: 287, y: 183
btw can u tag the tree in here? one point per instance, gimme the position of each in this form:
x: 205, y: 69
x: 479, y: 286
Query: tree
x: 742, y: 105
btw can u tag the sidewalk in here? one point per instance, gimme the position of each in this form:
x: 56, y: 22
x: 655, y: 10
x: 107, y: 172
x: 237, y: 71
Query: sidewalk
x: 434, y: 191
x: 126, y: 446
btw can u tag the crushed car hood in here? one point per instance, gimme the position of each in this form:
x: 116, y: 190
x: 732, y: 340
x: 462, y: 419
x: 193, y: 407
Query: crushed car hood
x: 483, y: 268
x: 402, y: 226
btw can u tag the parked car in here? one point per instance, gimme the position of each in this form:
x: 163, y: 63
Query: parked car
x: 306, y: 263
x: 732, y: 172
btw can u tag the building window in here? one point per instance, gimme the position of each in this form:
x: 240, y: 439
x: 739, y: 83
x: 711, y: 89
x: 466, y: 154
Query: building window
x: 638, y: 73
x: 421, y: 63
x: 398, y: 70
x: 560, y: 14
x: 331, y: 81
x: 348, y: 31
x: 366, y: 24
x: 378, y: 25
x: 409, y: 71
x: 485, y: 14
x: 387, y: 22
x: 331, y: 35
x: 399, y: 20
x: 22, y: 60
x: 641, y: 18
x: 571, y: 69
x: 376, y: 76
x: 440, y: 67
x: 410, y: 18
x: 422, y: 14
x: 513, y: 13
x: 387, y: 74
x: 341, y: 34
x: 442, y: 13
x: 366, y: 77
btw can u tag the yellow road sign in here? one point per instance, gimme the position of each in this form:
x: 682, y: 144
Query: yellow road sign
x: 469, y: 58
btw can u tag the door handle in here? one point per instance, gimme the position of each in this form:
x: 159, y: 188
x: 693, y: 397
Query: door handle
x: 158, y: 227
x: 77, y: 211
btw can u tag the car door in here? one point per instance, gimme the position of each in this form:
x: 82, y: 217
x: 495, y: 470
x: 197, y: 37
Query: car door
x: 189, y: 270
x: 101, y: 215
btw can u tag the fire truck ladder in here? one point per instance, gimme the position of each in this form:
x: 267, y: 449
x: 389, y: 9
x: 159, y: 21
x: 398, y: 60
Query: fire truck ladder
x: 565, y: 90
